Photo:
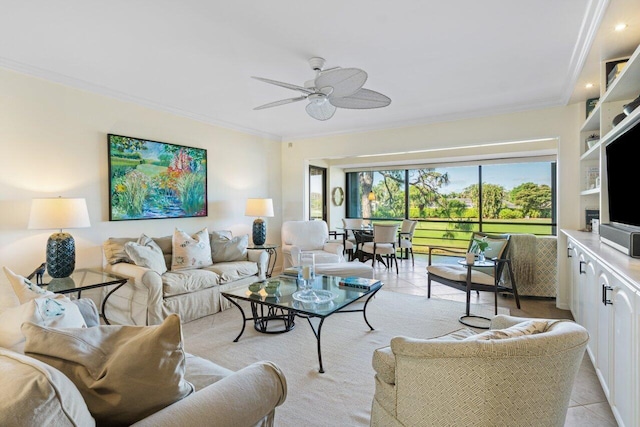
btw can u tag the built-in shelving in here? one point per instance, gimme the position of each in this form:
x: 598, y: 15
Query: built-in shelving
x: 620, y: 92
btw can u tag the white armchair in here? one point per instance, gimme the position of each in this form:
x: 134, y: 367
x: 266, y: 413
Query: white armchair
x: 515, y: 374
x: 309, y: 236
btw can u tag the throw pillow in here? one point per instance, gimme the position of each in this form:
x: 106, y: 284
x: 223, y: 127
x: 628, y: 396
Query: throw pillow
x: 190, y: 252
x: 146, y: 253
x: 57, y: 311
x: 529, y: 327
x: 23, y: 288
x: 227, y: 250
x: 124, y: 373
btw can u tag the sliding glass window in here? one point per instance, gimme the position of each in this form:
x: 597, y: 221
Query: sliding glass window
x: 452, y: 201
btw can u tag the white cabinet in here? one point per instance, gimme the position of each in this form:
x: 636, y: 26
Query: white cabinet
x: 606, y: 301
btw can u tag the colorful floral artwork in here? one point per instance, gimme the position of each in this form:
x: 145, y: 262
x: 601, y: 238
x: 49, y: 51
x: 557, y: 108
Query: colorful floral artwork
x: 151, y: 179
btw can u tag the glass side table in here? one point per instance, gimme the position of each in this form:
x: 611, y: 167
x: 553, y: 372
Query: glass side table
x: 83, y: 279
x: 273, y: 256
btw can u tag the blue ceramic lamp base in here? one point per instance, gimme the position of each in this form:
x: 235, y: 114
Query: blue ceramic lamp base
x: 259, y: 232
x: 61, y: 255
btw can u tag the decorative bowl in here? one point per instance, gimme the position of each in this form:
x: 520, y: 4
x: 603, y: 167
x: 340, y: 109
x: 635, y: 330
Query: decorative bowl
x: 272, y: 286
x: 256, y: 286
x: 628, y: 109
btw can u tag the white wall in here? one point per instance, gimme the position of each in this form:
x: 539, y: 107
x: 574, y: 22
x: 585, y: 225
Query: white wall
x: 53, y: 141
x: 560, y: 125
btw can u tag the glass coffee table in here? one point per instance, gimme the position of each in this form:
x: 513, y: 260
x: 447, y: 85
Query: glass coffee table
x: 276, y: 313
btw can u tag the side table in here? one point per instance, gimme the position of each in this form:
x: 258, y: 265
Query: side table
x: 273, y: 256
x: 83, y: 279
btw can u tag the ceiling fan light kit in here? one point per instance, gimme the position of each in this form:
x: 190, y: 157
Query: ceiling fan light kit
x: 331, y: 89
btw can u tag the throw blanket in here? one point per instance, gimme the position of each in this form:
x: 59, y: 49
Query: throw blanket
x: 522, y: 252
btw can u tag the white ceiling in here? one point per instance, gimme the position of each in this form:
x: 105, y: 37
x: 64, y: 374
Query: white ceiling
x: 436, y: 60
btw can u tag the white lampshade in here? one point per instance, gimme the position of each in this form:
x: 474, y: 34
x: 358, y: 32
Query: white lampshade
x: 58, y: 213
x: 259, y: 207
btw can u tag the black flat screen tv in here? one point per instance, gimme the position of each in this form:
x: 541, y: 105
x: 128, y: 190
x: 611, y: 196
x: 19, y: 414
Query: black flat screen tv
x: 623, y: 173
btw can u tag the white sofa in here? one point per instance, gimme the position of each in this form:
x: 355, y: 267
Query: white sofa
x: 312, y: 237
x: 148, y: 297
x: 35, y: 394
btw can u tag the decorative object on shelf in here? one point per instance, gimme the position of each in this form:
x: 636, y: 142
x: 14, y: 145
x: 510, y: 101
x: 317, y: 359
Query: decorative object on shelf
x: 38, y: 273
x: 59, y: 213
x: 591, y: 105
x: 152, y: 180
x: 592, y: 140
x: 628, y: 109
x: 592, y: 174
x: 337, y: 195
x: 614, y: 68
x: 259, y: 208
x: 617, y: 119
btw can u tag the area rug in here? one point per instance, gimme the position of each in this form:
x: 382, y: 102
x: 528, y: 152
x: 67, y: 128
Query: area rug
x: 342, y: 395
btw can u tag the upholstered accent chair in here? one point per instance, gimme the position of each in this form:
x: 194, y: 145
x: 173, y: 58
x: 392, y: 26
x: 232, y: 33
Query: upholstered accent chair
x: 309, y: 236
x: 405, y: 238
x: 518, y: 373
x: 385, y: 243
x: 461, y: 277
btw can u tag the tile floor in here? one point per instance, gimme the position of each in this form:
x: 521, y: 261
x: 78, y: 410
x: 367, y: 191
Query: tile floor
x: 588, y: 405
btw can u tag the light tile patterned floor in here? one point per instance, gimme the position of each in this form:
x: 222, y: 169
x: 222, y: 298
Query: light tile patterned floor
x: 588, y: 405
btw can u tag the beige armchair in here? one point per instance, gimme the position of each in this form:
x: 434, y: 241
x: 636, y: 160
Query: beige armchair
x: 516, y: 374
x: 309, y: 236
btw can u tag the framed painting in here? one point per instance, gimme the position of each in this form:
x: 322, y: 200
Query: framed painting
x: 152, y: 179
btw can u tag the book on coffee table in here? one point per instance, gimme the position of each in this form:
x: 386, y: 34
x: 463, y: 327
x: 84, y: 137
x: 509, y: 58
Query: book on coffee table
x: 357, y: 282
x: 291, y: 271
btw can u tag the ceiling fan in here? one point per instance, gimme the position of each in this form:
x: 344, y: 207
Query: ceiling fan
x: 332, y: 88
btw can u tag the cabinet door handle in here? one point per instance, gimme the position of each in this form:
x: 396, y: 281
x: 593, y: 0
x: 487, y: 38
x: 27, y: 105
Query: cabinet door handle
x: 569, y: 253
x: 580, y: 270
x: 606, y: 288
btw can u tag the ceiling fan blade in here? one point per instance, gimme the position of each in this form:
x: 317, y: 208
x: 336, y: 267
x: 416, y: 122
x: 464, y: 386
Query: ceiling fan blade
x: 281, y: 102
x: 320, y: 110
x: 286, y: 85
x: 362, y: 99
x: 344, y: 81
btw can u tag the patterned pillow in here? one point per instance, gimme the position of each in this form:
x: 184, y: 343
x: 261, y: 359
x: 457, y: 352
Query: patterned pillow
x: 190, y: 252
x: 24, y: 289
x: 146, y: 253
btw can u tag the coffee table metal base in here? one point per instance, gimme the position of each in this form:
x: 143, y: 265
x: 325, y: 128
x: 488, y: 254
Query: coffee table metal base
x: 263, y: 315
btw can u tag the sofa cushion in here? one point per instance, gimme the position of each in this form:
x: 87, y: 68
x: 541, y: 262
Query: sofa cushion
x: 146, y: 253
x: 190, y: 251
x: 234, y: 249
x: 230, y: 271
x: 201, y: 372
x: 113, y: 249
x: 36, y: 394
x: 182, y: 282
x: 124, y: 373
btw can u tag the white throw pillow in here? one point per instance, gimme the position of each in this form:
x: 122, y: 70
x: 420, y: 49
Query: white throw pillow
x: 146, y: 253
x: 23, y: 288
x: 227, y: 250
x: 190, y: 252
x: 124, y: 373
x: 56, y: 312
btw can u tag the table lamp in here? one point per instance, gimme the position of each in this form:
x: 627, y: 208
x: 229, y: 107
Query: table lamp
x: 59, y: 213
x: 259, y: 208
